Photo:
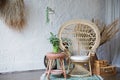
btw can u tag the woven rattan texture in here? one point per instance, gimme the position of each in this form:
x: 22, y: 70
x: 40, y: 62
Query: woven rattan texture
x: 80, y: 35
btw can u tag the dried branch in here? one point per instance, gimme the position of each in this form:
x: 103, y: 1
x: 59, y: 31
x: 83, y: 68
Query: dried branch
x: 106, y: 32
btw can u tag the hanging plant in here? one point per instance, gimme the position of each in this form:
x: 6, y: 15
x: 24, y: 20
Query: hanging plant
x: 48, y: 12
x: 13, y: 14
x: 47, y: 15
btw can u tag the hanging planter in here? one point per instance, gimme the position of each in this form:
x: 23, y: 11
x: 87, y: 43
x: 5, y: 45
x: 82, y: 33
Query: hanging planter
x: 13, y: 14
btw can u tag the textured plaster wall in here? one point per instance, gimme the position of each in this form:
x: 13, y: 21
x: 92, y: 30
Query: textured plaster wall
x: 25, y: 50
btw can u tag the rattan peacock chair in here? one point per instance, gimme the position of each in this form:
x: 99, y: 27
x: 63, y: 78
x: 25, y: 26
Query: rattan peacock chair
x: 83, y: 38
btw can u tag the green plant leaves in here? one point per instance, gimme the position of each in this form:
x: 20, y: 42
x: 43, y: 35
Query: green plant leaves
x: 54, y: 40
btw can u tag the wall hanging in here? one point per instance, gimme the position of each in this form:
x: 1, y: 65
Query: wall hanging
x: 48, y: 12
x: 13, y: 13
x: 50, y: 9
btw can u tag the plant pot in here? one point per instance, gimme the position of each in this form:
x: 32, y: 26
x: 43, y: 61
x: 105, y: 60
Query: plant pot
x: 55, y: 49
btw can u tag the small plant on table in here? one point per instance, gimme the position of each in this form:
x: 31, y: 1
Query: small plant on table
x: 54, y: 40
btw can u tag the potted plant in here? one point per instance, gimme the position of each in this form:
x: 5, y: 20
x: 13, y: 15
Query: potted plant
x: 54, y: 40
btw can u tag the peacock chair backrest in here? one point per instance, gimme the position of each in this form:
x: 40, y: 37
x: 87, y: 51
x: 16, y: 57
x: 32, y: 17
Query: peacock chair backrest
x: 81, y: 36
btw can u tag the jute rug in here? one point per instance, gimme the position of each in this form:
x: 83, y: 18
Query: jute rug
x: 52, y: 77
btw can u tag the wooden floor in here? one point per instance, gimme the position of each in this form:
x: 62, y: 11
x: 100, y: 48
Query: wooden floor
x: 35, y: 75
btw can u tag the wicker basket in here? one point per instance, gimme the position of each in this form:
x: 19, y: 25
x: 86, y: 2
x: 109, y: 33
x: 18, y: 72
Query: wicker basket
x: 101, y: 67
x: 101, y: 63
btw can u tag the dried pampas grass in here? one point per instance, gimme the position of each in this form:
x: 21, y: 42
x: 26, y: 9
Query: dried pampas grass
x: 13, y: 14
x: 106, y: 31
x: 2, y: 3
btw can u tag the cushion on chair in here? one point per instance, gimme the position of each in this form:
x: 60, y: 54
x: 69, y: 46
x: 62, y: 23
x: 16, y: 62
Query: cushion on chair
x: 79, y: 58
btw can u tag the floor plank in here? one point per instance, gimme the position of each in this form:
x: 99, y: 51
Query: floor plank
x: 35, y: 75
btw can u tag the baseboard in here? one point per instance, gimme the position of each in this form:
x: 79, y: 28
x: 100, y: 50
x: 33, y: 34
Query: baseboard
x: 22, y: 71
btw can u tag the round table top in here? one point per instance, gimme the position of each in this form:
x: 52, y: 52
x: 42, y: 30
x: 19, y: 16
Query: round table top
x: 52, y: 55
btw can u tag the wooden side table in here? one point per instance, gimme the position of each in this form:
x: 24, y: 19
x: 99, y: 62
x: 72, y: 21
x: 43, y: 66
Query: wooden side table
x: 51, y: 56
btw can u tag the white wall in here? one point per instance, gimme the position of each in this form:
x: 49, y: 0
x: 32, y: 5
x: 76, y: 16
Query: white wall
x: 25, y: 50
x: 111, y: 50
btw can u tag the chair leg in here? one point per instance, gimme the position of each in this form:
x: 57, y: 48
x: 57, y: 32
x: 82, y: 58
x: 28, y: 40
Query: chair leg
x: 49, y: 69
x: 90, y: 68
x: 63, y: 67
x: 68, y: 68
